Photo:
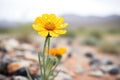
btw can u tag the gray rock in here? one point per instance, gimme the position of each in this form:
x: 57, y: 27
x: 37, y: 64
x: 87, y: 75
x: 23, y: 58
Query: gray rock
x: 96, y: 73
x: 2, y: 77
x: 19, y: 78
x: 113, y: 71
x: 107, y: 68
x: 89, y: 55
x: 107, y: 62
x: 65, y: 76
x: 69, y: 54
x: 80, y: 70
x: 11, y: 44
x: 95, y: 62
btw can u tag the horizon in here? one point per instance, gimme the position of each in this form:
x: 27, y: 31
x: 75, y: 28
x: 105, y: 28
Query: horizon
x: 27, y: 10
x: 63, y: 15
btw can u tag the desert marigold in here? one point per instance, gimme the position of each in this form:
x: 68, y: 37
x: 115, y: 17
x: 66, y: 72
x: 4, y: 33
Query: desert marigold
x: 49, y: 24
x: 58, y: 51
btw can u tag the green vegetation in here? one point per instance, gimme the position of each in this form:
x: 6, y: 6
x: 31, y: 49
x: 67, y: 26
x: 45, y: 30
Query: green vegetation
x: 22, y: 28
x: 70, y: 34
x: 105, y: 39
x: 109, y: 47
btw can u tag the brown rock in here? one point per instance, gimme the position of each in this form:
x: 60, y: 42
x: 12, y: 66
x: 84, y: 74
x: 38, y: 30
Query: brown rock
x: 31, y: 57
x: 33, y: 70
x: 13, y: 67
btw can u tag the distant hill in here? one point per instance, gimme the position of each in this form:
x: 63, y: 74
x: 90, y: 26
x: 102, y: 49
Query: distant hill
x: 7, y: 24
x: 76, y: 21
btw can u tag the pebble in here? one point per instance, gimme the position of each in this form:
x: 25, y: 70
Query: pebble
x: 69, y: 54
x: 13, y: 67
x: 19, y: 78
x: 21, y: 72
x: 30, y: 57
x: 106, y: 68
x: 65, y: 76
x: 11, y: 44
x: 69, y: 42
x: 2, y: 77
x: 37, y: 77
x: 3, y: 50
x: 79, y: 70
x: 62, y: 68
x: 107, y: 62
x: 3, y: 68
x: 27, y: 47
x: 89, y: 55
x: 95, y: 62
x: 113, y: 71
x: 59, y: 78
x: 96, y: 73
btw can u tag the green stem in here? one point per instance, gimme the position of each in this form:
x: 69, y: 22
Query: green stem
x: 53, y: 69
x: 48, y: 52
x: 53, y: 77
x: 28, y: 74
x: 47, y: 64
x: 40, y: 65
x: 48, y: 49
x: 44, y: 58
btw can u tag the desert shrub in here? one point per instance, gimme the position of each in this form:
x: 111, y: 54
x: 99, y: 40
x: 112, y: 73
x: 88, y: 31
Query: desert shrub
x: 114, y: 31
x: 96, y: 34
x: 93, y: 38
x: 70, y: 34
x: 109, y: 47
x: 92, y: 41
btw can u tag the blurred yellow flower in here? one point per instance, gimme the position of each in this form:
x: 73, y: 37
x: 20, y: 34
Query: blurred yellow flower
x: 58, y: 52
x: 49, y: 24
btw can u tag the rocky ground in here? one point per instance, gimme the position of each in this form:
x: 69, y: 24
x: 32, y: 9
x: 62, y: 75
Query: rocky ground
x: 80, y: 62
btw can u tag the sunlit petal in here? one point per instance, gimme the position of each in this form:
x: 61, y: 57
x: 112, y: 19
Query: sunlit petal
x: 43, y: 33
x: 53, y: 34
x: 53, y: 18
x: 45, y: 18
x: 38, y: 27
x: 60, y: 31
x: 62, y: 26
x: 59, y: 20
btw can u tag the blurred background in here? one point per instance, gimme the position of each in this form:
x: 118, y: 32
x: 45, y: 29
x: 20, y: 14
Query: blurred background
x: 92, y: 40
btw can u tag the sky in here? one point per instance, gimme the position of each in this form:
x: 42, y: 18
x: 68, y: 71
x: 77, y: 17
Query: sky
x: 27, y: 10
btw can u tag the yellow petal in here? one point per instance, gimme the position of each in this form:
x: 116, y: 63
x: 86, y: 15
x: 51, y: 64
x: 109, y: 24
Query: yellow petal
x: 62, y: 51
x: 59, y: 21
x: 53, y: 34
x: 38, y: 27
x: 52, y: 18
x: 60, y: 31
x: 62, y: 26
x: 45, y: 18
x: 43, y: 33
x: 38, y: 20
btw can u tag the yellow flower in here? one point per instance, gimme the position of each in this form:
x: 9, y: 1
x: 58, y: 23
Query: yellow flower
x: 49, y: 24
x: 58, y: 52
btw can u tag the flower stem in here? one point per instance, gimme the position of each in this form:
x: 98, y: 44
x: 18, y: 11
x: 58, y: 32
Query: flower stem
x: 44, y: 75
x: 40, y: 64
x: 48, y: 55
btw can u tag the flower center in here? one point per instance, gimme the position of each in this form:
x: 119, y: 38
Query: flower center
x: 49, y: 26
